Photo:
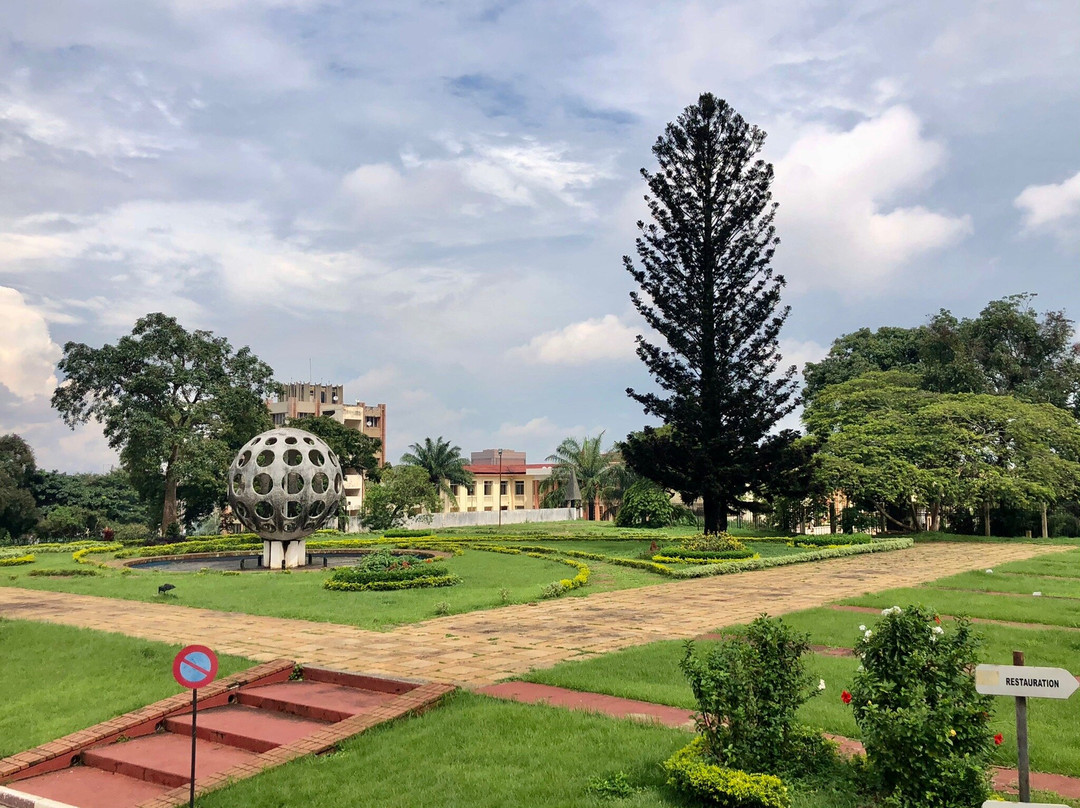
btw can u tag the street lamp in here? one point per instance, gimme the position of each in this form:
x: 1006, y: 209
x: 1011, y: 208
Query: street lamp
x: 500, y: 487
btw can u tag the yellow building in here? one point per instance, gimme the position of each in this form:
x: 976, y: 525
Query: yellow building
x: 509, y: 485
x: 306, y: 400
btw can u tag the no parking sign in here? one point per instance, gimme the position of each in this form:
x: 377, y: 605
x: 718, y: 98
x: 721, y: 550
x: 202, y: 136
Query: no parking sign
x: 195, y: 666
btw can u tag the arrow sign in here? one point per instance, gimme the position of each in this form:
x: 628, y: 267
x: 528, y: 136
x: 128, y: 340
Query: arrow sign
x: 1025, y: 682
x: 994, y: 803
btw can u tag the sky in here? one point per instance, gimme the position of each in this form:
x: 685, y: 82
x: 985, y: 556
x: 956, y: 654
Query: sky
x: 429, y: 202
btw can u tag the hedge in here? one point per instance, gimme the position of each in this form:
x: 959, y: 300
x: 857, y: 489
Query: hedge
x: 412, y: 583
x: 676, y: 553
x: 14, y: 561
x: 75, y: 573
x: 741, y: 555
x: 831, y: 540
x: 403, y: 532
x: 782, y: 561
x: 691, y: 772
x: 80, y: 556
x: 353, y: 575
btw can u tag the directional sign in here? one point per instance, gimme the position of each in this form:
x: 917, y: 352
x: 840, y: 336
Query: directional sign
x: 995, y: 803
x: 195, y: 666
x: 1024, y: 681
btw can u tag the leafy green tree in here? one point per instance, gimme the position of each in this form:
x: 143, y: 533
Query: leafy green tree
x: 864, y: 351
x: 597, y: 473
x: 403, y: 492
x: 111, y: 495
x: 443, y: 464
x: 18, y: 511
x: 645, y: 504
x: 708, y: 290
x: 355, y: 449
x: 176, y: 404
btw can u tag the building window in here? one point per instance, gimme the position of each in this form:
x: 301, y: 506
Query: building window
x: 502, y: 488
x: 470, y: 490
x: 279, y: 419
x: 487, y: 488
x: 503, y: 508
x: 519, y: 488
x: 471, y: 510
x: 488, y: 508
x: 372, y: 422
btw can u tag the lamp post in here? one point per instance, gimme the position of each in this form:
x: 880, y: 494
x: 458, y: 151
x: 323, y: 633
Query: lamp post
x: 500, y: 487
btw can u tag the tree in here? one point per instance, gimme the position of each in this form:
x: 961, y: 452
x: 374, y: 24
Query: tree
x: 442, y: 463
x: 109, y: 495
x: 176, y: 404
x: 18, y: 511
x: 645, y: 504
x: 596, y: 472
x: 355, y: 449
x: 864, y: 351
x: 403, y: 492
x: 708, y: 290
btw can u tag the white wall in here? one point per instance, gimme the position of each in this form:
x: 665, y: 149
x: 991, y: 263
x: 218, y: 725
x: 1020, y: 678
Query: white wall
x: 475, y: 518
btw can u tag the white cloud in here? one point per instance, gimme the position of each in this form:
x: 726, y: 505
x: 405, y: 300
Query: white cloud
x: 27, y: 353
x: 838, y: 212
x: 799, y: 352
x: 1054, y: 207
x: 595, y: 340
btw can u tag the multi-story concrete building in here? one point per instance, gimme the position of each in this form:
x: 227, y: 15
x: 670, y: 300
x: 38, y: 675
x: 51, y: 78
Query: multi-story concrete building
x: 511, y: 485
x: 307, y: 399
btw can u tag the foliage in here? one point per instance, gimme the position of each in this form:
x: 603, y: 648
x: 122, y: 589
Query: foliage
x: 711, y: 542
x: 708, y: 289
x: 109, y: 495
x: 15, y: 561
x: 614, y: 786
x: 354, y: 449
x: 864, y: 351
x: 401, y: 533
x: 832, y: 540
x: 782, y: 561
x: 18, y: 511
x: 692, y: 771
x: 131, y: 535
x: 391, y: 584
x: 645, y: 504
x: 176, y: 404
x: 66, y: 522
x: 676, y: 553
x: 748, y: 690
x: 404, y: 491
x: 63, y: 573
x: 443, y: 463
x: 925, y: 728
x: 385, y: 559
x: 596, y: 472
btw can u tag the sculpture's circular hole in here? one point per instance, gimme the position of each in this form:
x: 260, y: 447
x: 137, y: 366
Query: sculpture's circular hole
x: 316, y: 508
x: 316, y: 457
x: 262, y: 483
x: 337, y: 484
x: 290, y: 440
x: 237, y: 481
x: 292, y: 457
x: 319, y: 483
x: 265, y: 458
x: 254, y: 441
x: 288, y: 527
x: 271, y: 441
x: 268, y: 527
x: 293, y: 483
x: 309, y: 441
x: 241, y: 510
x: 333, y: 457
x: 243, y: 459
x: 264, y: 509
x: 292, y: 509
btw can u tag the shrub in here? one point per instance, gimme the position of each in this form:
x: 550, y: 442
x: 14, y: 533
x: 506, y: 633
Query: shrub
x: 615, y: 786
x: 925, y: 728
x: 132, y: 535
x: 831, y: 540
x: 420, y: 582
x: 358, y: 575
x: 678, y: 553
x: 712, y: 542
x: 401, y: 532
x: 15, y: 561
x: 67, y: 522
x: 384, y: 560
x: 692, y: 771
x: 66, y: 573
x: 645, y: 504
x: 749, y: 689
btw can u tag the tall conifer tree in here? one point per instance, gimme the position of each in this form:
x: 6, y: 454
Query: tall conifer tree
x: 707, y: 288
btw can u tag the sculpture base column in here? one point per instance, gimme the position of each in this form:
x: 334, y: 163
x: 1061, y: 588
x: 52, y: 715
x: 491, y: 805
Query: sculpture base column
x: 292, y: 553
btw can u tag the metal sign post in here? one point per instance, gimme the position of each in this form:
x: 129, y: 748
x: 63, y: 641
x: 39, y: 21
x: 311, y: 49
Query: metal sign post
x: 1022, y: 682
x: 193, y: 667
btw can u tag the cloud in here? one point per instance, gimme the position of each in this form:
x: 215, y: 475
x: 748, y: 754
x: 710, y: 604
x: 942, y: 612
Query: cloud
x: 600, y: 339
x: 799, y: 352
x: 840, y: 222
x: 28, y: 355
x: 1051, y: 208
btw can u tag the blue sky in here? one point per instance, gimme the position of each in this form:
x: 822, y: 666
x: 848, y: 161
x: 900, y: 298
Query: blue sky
x: 430, y: 201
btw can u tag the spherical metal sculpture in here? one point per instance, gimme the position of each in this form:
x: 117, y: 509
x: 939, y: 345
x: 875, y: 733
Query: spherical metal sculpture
x: 285, y: 484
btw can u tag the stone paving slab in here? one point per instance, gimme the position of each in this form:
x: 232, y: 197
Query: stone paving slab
x: 483, y: 647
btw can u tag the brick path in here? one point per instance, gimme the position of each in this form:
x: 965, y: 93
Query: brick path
x: 482, y: 647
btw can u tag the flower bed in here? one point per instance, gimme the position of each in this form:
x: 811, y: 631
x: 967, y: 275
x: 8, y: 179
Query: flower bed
x: 678, y: 554
x: 831, y: 540
x: 780, y: 561
x: 384, y: 570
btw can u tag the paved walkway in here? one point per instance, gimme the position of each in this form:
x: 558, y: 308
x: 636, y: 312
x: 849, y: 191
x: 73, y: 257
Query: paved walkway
x: 482, y: 647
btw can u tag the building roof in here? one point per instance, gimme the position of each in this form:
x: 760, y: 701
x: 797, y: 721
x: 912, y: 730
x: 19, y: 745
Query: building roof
x: 507, y: 468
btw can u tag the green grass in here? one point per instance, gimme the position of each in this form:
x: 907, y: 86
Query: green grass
x: 55, y: 680
x: 475, y: 752
x: 1010, y: 608
x: 300, y: 594
x: 961, y: 538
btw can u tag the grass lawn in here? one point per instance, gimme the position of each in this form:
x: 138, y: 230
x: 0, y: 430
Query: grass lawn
x: 475, y: 752
x: 300, y: 594
x: 55, y: 680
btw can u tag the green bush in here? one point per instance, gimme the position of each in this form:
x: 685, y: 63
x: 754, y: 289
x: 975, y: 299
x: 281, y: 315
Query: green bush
x: 422, y: 582
x: 67, y: 522
x: 925, y: 728
x: 676, y: 552
x: 831, y: 540
x: 749, y: 689
x: 384, y: 560
x: 691, y: 771
x: 132, y: 535
x: 401, y: 532
x: 80, y: 572
x: 645, y: 504
x: 750, y: 564
x: 358, y: 575
x: 15, y: 561
x: 711, y: 542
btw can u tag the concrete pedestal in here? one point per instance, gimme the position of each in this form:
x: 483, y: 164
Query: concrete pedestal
x: 292, y: 553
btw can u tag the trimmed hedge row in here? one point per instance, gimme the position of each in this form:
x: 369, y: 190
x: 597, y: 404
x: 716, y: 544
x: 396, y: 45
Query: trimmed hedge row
x: 675, y: 552
x: 424, y: 582
x: 76, y: 573
x: 14, y: 561
x: 742, y: 555
x: 80, y: 556
x: 782, y: 561
x: 353, y: 575
x: 691, y: 772
x: 831, y: 540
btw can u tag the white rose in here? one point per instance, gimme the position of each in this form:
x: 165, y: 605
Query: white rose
x: 821, y: 684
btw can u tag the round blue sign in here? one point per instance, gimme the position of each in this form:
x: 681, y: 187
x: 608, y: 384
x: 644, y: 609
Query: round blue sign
x: 195, y: 666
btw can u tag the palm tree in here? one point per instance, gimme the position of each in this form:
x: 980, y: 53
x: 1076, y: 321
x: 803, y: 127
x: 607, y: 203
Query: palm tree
x: 443, y: 463
x: 596, y: 472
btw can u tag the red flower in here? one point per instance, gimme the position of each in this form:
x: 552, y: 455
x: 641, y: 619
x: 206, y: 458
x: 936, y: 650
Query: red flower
x: 999, y: 739
x: 845, y: 697
x: 937, y: 619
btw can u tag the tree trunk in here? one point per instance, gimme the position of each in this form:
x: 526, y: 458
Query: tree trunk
x: 169, y: 510
x: 986, y: 517
x: 885, y: 515
x: 915, y: 528
x: 935, y: 517
x: 1045, y: 528
x: 832, y: 515
x: 715, y: 514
